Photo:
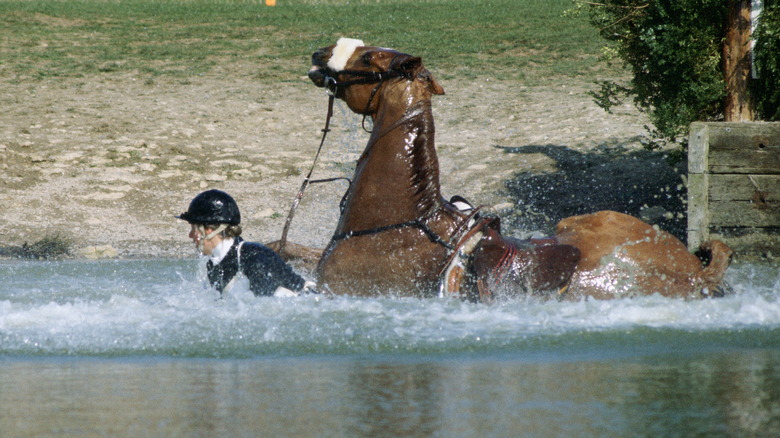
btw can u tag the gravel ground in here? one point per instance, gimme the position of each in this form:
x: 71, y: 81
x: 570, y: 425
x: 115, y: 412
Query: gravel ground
x: 107, y: 161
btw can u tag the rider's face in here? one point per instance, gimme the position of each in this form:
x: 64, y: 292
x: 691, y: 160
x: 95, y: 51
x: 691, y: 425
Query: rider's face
x: 206, y: 246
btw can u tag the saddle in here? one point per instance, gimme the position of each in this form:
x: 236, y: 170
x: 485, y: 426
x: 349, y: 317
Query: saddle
x: 484, y: 264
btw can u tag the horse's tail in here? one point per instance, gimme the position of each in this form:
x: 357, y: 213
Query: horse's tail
x: 716, y: 256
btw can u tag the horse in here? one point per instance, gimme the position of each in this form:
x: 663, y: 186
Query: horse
x: 397, y: 235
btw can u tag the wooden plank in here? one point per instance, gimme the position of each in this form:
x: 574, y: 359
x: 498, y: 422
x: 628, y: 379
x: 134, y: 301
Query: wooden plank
x: 744, y: 187
x: 744, y: 214
x: 750, y: 242
x: 698, y: 214
x: 734, y: 185
x: 756, y: 135
x: 742, y: 147
x: 744, y: 161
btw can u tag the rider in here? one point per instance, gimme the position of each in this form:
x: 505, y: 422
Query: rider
x: 215, y: 220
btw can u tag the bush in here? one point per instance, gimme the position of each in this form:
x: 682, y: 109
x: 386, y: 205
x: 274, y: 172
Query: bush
x: 766, y: 88
x: 673, y: 49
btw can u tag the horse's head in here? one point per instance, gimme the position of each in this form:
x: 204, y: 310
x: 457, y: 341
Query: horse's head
x: 354, y: 72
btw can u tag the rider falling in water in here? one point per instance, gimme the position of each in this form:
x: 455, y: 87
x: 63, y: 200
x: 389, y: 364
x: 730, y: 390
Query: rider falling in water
x: 215, y: 219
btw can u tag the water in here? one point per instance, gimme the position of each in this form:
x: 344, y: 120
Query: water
x: 142, y: 348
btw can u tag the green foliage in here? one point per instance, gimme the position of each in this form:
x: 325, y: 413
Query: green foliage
x: 766, y: 87
x: 674, y: 51
x: 672, y: 48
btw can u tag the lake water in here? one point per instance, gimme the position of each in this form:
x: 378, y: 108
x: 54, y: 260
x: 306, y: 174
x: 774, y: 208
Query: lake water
x: 135, y: 348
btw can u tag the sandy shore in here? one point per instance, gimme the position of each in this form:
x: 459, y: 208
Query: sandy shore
x: 108, y: 161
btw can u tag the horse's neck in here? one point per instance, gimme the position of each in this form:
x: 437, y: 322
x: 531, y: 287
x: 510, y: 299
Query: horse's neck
x: 397, y: 177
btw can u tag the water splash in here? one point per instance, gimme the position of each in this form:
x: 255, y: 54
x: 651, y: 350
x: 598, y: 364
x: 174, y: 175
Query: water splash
x: 161, y: 308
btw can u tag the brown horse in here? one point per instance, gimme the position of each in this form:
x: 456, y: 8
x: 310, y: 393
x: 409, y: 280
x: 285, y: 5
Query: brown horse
x: 397, y: 235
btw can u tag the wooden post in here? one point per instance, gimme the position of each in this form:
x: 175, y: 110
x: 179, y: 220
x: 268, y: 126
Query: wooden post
x: 737, y: 62
x: 698, y: 185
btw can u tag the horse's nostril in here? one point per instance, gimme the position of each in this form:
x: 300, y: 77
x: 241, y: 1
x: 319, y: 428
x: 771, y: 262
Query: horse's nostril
x: 317, y: 76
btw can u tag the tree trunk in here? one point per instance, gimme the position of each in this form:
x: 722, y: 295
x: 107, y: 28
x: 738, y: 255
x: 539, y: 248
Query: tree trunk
x: 736, y: 63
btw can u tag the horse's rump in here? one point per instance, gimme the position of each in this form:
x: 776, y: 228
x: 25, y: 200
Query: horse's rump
x: 624, y: 249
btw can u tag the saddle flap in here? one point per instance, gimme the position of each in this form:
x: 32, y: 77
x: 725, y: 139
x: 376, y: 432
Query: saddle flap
x: 554, y: 265
x: 514, y: 266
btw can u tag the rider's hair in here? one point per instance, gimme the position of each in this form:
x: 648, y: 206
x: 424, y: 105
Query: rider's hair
x: 232, y: 231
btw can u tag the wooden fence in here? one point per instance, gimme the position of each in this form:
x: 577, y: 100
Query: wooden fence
x: 734, y: 186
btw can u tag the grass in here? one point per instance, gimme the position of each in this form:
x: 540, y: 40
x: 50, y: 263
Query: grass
x: 516, y: 39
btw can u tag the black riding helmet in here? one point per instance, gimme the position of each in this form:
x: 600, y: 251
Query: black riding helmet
x: 212, y: 207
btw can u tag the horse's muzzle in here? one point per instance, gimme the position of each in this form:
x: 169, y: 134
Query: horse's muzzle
x: 318, y: 75
x: 324, y: 78
x: 319, y: 71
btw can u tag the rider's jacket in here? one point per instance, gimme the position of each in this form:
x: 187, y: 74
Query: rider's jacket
x: 263, y: 267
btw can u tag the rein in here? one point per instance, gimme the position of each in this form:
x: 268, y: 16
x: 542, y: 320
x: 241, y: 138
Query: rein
x: 299, y: 196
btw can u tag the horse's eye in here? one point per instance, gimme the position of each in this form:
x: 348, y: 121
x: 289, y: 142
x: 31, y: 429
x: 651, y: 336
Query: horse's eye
x: 367, y: 58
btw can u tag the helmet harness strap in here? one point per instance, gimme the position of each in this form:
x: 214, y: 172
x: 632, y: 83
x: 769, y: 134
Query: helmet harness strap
x: 209, y: 236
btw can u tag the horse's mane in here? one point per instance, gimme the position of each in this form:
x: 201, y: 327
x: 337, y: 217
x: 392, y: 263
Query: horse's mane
x: 426, y: 163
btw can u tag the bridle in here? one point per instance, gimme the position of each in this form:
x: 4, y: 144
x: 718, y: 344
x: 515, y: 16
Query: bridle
x: 359, y: 78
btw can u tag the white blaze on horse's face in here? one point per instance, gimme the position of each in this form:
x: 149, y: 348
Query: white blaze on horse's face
x: 344, y: 49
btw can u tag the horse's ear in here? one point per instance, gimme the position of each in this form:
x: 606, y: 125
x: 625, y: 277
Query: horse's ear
x: 407, y: 64
x: 413, y: 66
x: 433, y: 85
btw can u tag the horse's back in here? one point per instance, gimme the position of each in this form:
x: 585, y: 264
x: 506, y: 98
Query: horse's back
x: 598, y: 234
x: 621, y: 255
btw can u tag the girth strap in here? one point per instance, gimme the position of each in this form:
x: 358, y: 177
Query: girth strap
x: 416, y: 223
x: 455, y: 269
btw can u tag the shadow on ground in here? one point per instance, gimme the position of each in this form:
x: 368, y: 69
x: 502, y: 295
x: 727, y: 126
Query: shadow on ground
x: 640, y: 183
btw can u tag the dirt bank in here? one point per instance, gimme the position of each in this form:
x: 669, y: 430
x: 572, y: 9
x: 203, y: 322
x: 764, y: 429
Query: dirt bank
x: 109, y: 160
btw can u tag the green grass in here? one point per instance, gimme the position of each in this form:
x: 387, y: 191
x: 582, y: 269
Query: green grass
x: 517, y: 39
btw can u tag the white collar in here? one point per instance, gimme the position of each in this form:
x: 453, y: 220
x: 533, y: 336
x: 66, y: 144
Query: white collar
x: 221, y: 250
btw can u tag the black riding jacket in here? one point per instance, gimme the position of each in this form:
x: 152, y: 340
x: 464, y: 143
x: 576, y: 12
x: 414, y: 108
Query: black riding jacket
x: 263, y: 267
